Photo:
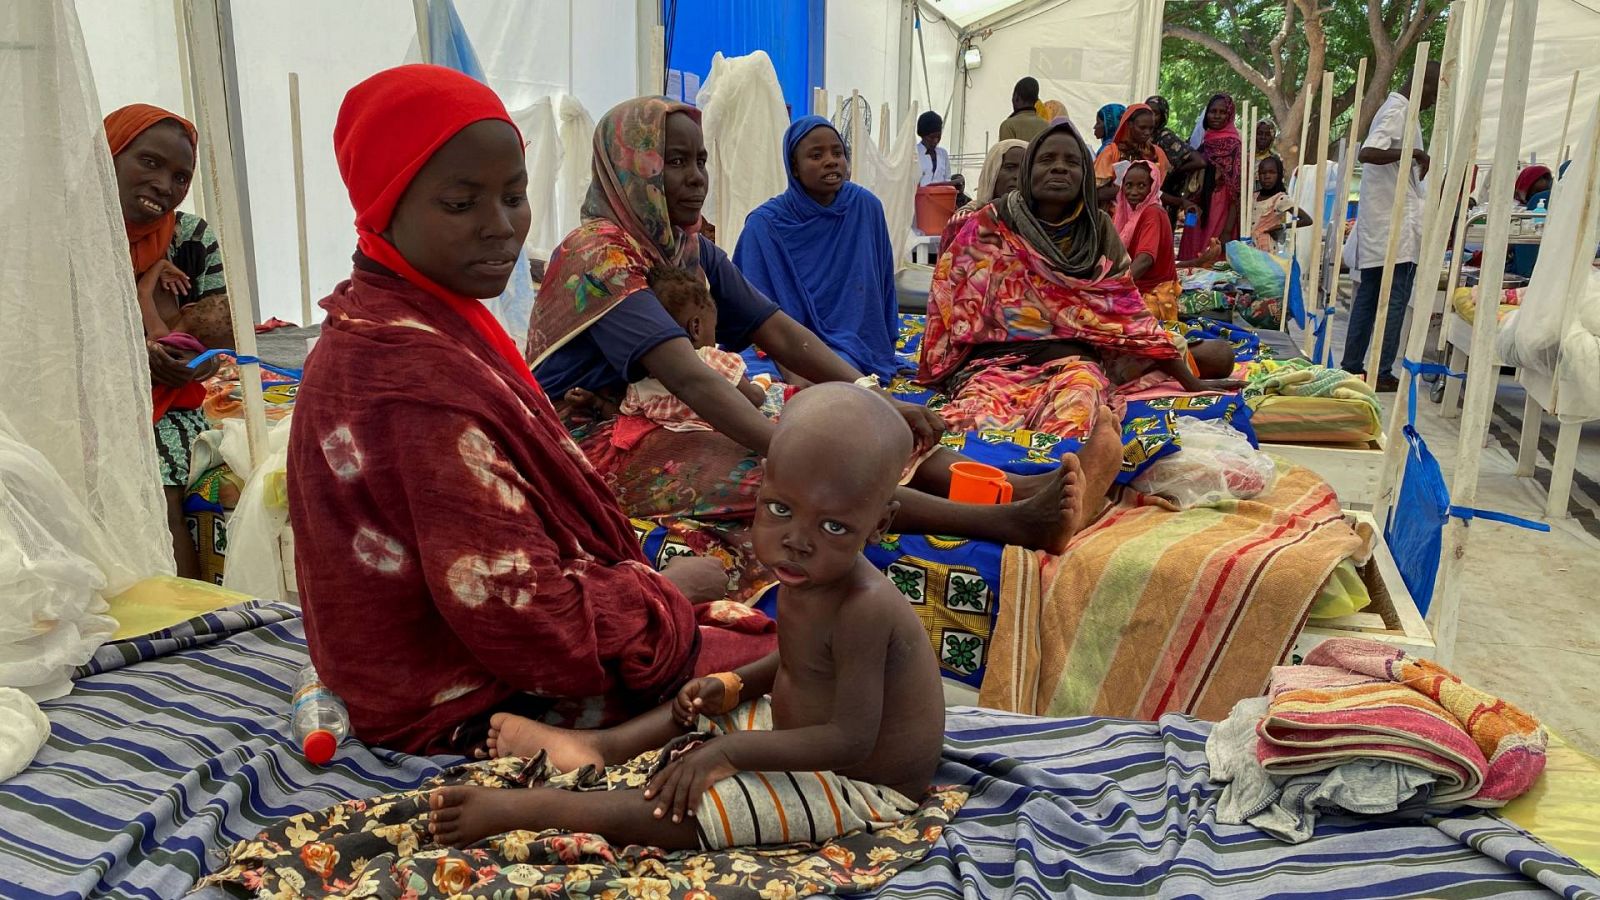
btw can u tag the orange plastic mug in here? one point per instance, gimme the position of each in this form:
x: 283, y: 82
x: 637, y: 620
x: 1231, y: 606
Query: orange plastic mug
x: 972, y: 482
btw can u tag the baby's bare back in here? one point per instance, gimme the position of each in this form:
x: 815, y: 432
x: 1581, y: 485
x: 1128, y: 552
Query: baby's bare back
x: 910, y: 735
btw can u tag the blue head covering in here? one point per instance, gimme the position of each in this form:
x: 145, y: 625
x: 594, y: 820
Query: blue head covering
x: 1110, y: 117
x: 829, y: 267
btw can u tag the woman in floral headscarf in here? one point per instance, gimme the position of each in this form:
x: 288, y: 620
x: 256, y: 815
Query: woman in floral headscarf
x: 596, y: 327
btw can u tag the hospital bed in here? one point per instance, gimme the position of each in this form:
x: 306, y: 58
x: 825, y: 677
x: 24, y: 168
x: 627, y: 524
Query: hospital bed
x: 175, y: 744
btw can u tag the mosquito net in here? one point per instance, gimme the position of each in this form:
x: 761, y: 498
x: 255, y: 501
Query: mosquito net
x: 743, y: 116
x: 1555, y: 335
x: 79, y: 451
x: 891, y: 173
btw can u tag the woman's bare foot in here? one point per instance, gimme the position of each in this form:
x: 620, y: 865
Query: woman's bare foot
x: 1100, y: 459
x: 1048, y: 519
x: 570, y: 750
x: 463, y: 815
x: 1073, y: 496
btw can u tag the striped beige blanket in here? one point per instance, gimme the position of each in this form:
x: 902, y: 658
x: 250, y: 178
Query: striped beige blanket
x: 1153, y: 610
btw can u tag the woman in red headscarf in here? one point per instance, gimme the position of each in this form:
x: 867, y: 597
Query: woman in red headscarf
x: 177, y: 264
x: 457, y: 555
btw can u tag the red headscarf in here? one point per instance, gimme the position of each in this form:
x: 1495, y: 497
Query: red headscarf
x: 1526, y: 179
x: 147, y: 244
x: 389, y: 126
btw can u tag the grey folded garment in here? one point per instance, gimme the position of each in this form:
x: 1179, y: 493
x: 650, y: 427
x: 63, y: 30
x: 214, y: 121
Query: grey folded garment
x: 285, y: 347
x: 1287, y: 808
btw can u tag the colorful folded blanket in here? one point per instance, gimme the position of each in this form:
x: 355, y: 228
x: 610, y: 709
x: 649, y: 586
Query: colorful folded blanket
x: 1301, y: 378
x: 1360, y: 699
x: 381, y: 847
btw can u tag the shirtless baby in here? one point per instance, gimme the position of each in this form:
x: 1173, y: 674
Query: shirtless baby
x: 856, y: 712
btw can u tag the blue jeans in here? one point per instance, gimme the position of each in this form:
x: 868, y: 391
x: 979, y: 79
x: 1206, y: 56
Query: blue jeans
x: 1365, y: 309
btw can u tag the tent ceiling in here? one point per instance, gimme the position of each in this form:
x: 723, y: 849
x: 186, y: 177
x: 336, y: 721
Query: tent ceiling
x: 965, y: 12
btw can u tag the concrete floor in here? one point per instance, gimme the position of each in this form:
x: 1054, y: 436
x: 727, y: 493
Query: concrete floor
x: 1530, y: 607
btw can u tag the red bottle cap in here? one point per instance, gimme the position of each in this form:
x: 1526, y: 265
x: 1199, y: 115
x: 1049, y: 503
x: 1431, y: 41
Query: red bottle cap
x: 319, y: 747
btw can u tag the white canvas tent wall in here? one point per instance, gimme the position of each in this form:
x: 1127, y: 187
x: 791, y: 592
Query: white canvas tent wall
x: 1085, y: 53
x: 529, y: 48
x: 1566, y: 39
x: 875, y: 47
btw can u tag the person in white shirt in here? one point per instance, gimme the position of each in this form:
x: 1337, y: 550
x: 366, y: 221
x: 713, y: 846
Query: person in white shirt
x: 935, y: 159
x: 1380, y: 175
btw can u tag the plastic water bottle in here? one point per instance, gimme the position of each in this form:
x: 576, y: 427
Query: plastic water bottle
x: 317, y: 719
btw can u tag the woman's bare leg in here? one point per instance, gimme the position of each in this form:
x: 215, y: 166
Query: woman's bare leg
x: 933, y: 476
x: 183, y: 549
x: 1069, y: 498
x: 571, y: 749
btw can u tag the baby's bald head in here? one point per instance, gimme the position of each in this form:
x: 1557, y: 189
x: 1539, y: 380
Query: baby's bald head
x: 852, y: 437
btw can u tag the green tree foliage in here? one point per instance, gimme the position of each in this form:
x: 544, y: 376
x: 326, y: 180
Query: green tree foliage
x: 1244, y: 48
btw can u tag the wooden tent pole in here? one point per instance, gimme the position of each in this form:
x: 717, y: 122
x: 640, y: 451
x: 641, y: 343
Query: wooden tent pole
x: 1566, y: 122
x: 1397, y: 211
x: 857, y: 125
x: 1444, y: 146
x: 1482, y: 378
x: 1457, y: 242
x: 186, y: 78
x: 1341, y: 196
x: 298, y: 152
x: 419, y: 12
x: 1319, y: 173
x: 1305, y: 134
x: 212, y: 88
x: 1247, y: 148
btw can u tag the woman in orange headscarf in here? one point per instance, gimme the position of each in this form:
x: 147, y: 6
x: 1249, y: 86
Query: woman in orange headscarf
x: 176, y: 264
x: 1134, y: 140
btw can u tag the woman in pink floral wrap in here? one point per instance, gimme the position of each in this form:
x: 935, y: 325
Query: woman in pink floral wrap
x: 1032, y: 300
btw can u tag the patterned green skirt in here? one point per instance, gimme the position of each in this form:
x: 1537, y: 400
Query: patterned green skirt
x: 175, y: 434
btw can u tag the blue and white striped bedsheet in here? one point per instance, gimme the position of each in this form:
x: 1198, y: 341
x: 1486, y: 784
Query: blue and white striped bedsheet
x: 154, y: 763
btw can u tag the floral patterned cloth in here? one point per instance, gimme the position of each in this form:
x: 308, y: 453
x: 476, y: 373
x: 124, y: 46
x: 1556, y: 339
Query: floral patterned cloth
x: 380, y: 848
x: 650, y: 400
x: 1062, y: 397
x: 994, y: 287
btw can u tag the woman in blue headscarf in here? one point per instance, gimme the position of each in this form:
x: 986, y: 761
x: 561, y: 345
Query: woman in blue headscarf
x: 821, y: 249
x: 1106, y: 123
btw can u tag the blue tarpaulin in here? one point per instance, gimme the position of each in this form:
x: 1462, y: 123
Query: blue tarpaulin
x: 790, y: 31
